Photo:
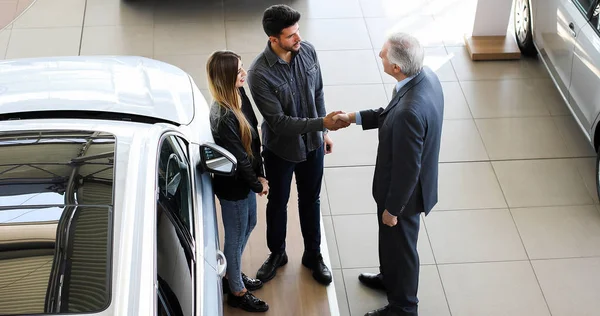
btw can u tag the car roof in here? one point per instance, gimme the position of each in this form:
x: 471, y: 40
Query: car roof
x: 128, y: 85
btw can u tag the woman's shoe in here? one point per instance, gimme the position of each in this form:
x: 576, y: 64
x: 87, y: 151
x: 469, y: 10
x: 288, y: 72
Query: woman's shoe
x: 250, y: 283
x: 247, y: 302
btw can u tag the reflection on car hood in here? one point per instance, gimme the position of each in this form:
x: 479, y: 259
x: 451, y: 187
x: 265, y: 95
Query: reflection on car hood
x: 125, y: 84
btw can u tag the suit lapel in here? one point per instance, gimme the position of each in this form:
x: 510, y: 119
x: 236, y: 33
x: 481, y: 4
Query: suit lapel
x: 396, y: 99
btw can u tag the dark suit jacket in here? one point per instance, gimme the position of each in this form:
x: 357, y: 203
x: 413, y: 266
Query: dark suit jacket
x: 410, y: 130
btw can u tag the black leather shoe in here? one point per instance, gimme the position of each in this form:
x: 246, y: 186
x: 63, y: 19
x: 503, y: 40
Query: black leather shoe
x: 320, y: 271
x: 247, y: 302
x: 250, y: 283
x: 268, y: 270
x: 371, y: 280
x: 384, y: 311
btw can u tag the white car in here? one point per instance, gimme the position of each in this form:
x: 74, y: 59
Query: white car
x: 106, y: 205
x: 566, y: 34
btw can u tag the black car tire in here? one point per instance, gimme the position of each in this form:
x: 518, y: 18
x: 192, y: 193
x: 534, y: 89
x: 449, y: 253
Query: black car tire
x: 523, y: 27
x: 598, y: 172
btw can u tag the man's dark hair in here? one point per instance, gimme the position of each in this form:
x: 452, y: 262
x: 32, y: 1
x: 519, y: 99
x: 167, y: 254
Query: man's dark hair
x: 278, y: 17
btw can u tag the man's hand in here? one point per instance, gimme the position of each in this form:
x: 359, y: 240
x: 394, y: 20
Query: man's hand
x: 265, y: 184
x: 346, y: 117
x: 333, y: 125
x: 389, y: 219
x: 328, y: 144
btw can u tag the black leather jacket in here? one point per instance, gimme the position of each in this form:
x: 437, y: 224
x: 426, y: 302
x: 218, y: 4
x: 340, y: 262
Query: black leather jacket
x: 226, y: 132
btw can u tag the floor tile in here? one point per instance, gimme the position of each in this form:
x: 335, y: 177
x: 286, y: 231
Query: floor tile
x: 245, y: 36
x: 458, y: 181
x: 118, y: 12
x: 4, y: 38
x: 570, y: 286
x: 432, y: 301
x: 578, y: 143
x: 435, y: 58
x: 493, y: 289
x: 551, y: 182
x: 44, y: 42
x: 461, y: 142
x: 455, y: 18
x: 560, y: 231
x: 328, y: 9
x: 340, y: 292
x: 522, y: 138
x: 466, y: 69
x: 336, y: 34
x: 423, y: 27
x: 182, y: 39
x: 353, y: 146
x: 195, y: 65
x: 174, y: 12
x: 393, y: 8
x: 504, y: 98
x: 352, y: 98
x: 349, y: 67
x: 325, y: 208
x: 455, y: 103
x: 357, y: 237
x: 52, y: 13
x: 349, y: 190
x: 474, y: 236
x: 587, y: 170
x: 334, y: 256
x: 8, y: 10
x: 118, y: 40
x: 554, y: 101
x: 248, y: 10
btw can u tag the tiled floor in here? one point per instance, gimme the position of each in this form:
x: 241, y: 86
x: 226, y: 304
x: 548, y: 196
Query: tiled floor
x: 517, y: 227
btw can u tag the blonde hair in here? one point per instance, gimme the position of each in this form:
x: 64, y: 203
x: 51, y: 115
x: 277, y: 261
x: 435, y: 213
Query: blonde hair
x: 222, y: 70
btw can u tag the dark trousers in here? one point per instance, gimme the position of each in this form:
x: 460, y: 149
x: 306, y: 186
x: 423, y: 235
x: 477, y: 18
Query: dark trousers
x: 309, y: 176
x: 399, y: 262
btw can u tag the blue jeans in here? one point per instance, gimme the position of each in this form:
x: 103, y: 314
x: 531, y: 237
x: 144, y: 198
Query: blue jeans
x: 239, y: 219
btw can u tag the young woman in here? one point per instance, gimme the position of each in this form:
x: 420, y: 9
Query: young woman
x: 235, y: 127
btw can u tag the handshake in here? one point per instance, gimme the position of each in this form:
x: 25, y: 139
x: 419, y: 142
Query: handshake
x: 336, y: 120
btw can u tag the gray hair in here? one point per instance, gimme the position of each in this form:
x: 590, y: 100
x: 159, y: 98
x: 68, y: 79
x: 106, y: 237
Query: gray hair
x: 406, y: 52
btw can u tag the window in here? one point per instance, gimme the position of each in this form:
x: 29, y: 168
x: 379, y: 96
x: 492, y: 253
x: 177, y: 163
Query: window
x: 595, y: 18
x: 56, y: 190
x: 175, y: 258
x: 584, y: 5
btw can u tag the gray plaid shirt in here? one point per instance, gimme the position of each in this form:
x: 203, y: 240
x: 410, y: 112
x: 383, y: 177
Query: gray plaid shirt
x: 290, y: 98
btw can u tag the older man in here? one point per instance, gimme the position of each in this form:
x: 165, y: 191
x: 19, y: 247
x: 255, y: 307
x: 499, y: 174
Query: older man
x: 406, y: 173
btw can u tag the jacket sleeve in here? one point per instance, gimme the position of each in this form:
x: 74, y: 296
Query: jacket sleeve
x: 272, y: 111
x: 231, y: 140
x: 408, y: 133
x: 370, y: 118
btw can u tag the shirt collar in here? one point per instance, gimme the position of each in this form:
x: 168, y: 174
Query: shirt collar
x: 403, y: 82
x: 272, y: 58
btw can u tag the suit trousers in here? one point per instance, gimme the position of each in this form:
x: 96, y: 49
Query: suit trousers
x: 399, y: 262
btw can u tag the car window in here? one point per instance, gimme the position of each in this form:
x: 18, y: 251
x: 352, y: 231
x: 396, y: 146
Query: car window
x: 56, y: 206
x: 174, y: 182
x: 175, y: 259
x: 584, y: 5
x: 595, y: 20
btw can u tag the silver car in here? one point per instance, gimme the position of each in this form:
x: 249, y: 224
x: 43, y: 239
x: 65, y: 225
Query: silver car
x: 566, y: 34
x: 106, y: 205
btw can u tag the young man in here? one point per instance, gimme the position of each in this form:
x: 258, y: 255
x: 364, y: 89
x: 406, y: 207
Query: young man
x: 286, y: 84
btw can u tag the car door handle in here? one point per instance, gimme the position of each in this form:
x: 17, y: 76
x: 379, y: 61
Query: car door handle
x: 221, y: 263
x: 572, y: 27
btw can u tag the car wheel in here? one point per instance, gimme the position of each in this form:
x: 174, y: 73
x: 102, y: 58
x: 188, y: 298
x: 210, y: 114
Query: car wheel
x: 523, y: 29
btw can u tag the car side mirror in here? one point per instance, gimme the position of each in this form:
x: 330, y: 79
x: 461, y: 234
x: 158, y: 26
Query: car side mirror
x: 216, y: 159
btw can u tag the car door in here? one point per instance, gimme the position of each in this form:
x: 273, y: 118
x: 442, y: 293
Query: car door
x: 556, y: 27
x: 214, y: 260
x: 584, y: 94
x: 176, y: 259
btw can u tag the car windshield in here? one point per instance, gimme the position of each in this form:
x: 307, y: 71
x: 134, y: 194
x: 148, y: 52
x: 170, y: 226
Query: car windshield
x: 56, y: 200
